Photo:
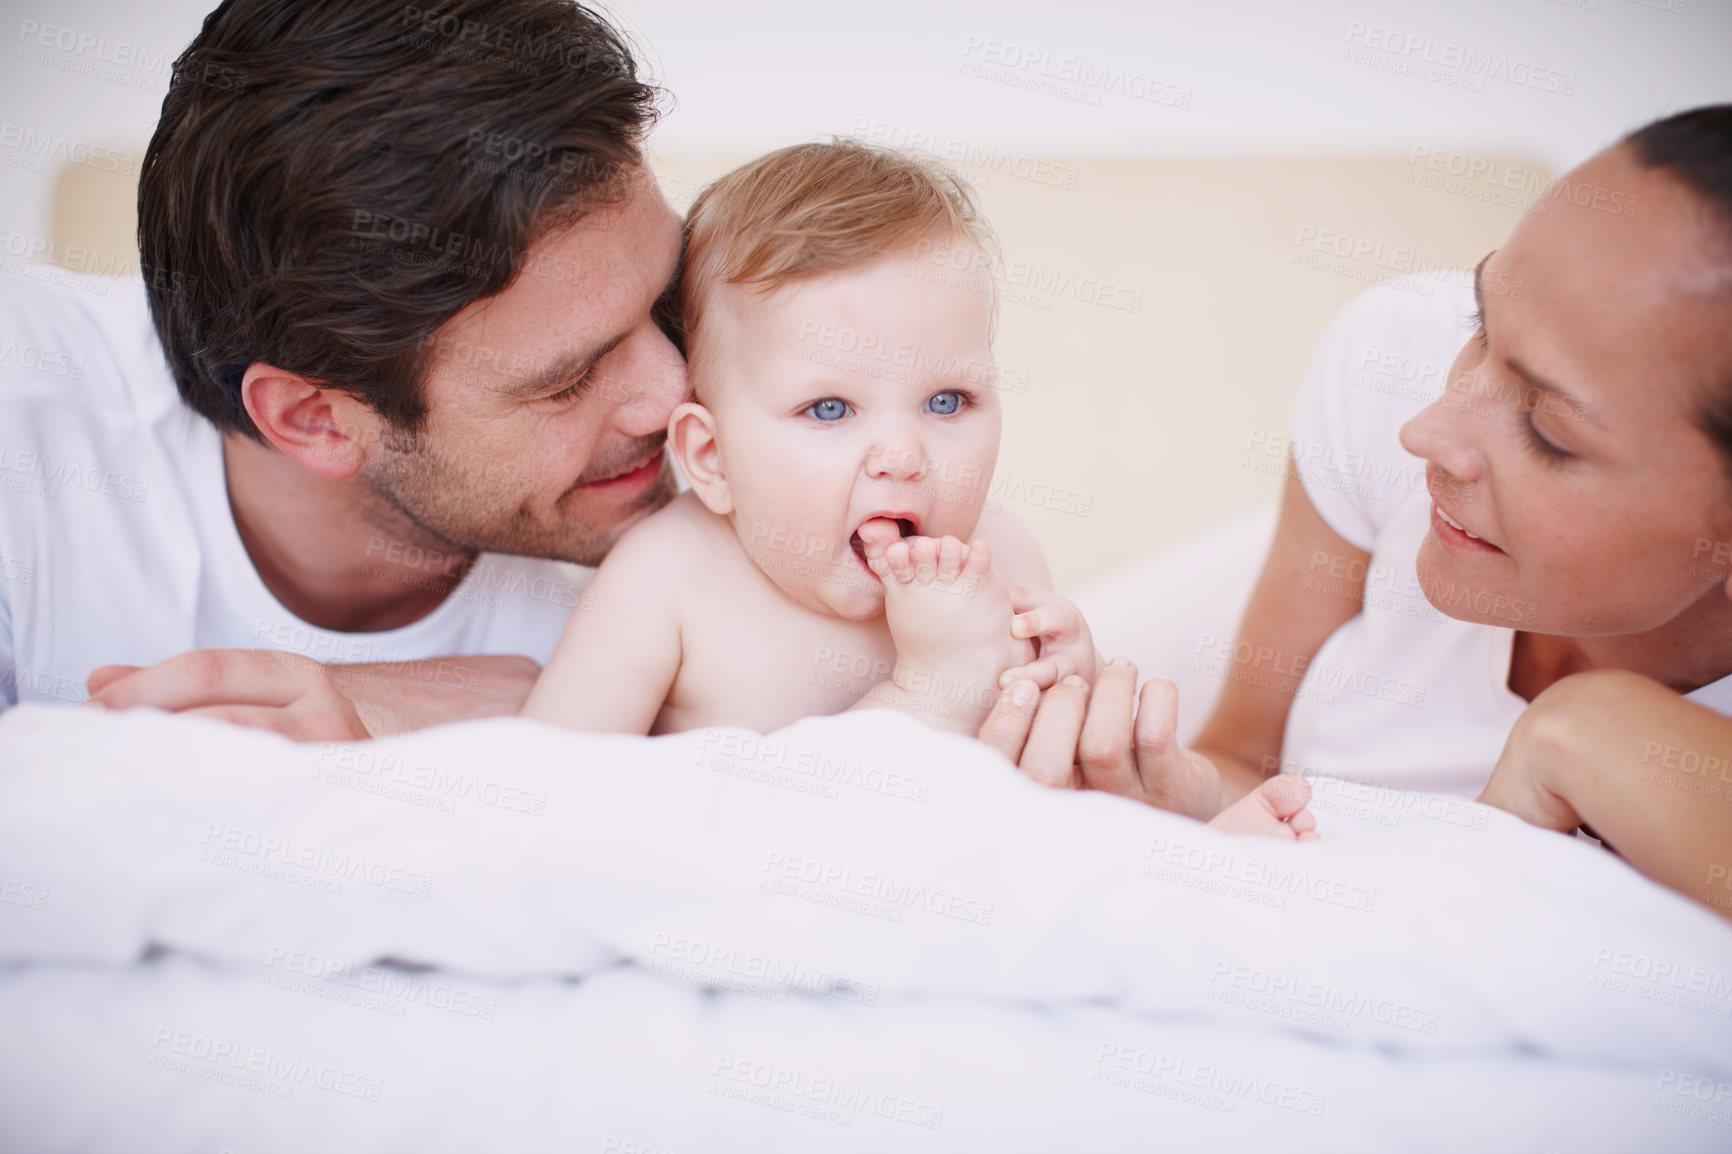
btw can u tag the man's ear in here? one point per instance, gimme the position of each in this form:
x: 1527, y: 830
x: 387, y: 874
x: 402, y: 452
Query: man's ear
x: 324, y: 429
x: 692, y: 433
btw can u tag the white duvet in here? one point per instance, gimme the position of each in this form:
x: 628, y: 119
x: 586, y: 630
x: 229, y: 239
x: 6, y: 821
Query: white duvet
x: 853, y: 935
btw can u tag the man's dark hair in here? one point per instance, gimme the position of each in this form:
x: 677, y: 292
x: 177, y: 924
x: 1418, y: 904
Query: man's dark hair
x: 1696, y: 147
x: 332, y: 180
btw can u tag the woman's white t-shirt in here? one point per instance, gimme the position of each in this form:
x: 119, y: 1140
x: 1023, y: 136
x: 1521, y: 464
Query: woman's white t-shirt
x: 117, y: 544
x: 1402, y: 695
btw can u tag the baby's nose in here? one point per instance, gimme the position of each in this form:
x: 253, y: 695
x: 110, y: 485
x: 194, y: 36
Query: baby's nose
x: 895, y: 463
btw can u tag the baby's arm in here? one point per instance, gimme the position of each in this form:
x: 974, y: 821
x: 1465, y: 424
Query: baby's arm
x: 620, y: 652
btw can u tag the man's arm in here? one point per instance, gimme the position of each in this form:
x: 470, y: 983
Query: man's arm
x: 300, y: 698
x: 1648, y: 770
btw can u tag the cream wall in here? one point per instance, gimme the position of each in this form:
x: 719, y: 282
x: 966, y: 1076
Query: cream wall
x: 1126, y: 428
x: 1271, y: 122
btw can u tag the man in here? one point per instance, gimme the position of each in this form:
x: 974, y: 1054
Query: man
x: 404, y: 267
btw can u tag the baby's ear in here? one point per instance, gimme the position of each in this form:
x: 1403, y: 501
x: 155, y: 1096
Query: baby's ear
x: 692, y: 434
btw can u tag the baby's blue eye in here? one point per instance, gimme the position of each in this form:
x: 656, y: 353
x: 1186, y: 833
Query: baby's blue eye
x: 944, y: 404
x: 828, y: 410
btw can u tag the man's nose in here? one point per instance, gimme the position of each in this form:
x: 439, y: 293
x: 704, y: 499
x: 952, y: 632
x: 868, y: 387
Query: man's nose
x: 645, y: 378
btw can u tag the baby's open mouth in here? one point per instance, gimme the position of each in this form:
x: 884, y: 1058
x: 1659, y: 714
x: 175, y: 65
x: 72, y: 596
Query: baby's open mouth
x: 903, y: 526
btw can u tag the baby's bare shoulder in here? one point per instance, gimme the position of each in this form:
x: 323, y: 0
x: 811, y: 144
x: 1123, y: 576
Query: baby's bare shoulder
x: 671, y: 540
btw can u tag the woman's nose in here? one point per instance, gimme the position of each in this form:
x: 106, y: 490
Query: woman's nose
x: 1447, y: 434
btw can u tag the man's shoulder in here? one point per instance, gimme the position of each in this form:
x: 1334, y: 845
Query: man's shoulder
x: 92, y: 446
x: 83, y: 346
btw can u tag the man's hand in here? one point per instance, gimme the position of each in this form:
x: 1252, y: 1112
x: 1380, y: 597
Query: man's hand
x: 282, y: 692
x: 1112, y: 740
x: 302, y: 699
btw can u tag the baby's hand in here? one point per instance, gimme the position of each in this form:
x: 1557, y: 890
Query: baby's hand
x: 1066, y: 645
x: 948, y: 612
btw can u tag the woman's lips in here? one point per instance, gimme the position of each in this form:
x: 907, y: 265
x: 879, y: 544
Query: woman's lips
x: 1453, y: 535
x: 641, y: 477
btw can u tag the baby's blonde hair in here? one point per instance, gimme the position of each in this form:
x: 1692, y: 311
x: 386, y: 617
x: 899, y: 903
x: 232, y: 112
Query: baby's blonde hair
x: 814, y: 209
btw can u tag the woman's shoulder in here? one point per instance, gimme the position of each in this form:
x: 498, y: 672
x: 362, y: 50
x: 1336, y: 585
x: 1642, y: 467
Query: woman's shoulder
x: 1384, y: 357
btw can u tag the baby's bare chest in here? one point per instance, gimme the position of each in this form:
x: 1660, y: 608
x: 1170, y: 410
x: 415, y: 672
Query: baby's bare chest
x: 765, y: 663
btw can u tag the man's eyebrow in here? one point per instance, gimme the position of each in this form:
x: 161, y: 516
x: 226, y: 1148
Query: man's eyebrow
x: 1479, y: 285
x: 561, y: 372
x: 564, y: 370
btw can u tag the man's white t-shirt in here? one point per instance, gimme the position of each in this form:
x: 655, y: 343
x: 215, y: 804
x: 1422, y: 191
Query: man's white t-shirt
x: 117, y: 544
x: 1402, y: 695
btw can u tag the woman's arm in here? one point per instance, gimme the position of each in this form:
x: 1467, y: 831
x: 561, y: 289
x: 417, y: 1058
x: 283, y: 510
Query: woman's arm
x: 1312, y: 583
x: 1650, y: 771
x: 1119, y: 741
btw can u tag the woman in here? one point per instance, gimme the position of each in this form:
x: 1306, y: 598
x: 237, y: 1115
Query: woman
x: 1577, y: 492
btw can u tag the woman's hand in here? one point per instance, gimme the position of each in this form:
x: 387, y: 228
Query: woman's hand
x: 1536, y: 743
x: 1112, y: 739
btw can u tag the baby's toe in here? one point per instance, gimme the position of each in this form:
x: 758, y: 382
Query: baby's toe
x: 925, y: 551
x: 1287, y: 794
x: 951, y: 555
x: 901, y: 560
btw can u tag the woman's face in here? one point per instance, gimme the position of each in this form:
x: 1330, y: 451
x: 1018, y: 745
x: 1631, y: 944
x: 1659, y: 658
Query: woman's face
x: 1566, y: 441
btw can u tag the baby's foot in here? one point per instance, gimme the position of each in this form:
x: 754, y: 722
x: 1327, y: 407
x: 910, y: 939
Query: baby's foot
x: 948, y: 612
x: 1274, y: 809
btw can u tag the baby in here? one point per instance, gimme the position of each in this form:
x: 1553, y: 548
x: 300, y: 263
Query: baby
x: 839, y: 452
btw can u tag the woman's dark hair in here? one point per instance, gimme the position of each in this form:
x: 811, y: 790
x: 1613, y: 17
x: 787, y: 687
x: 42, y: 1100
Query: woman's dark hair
x: 332, y: 180
x: 1696, y: 147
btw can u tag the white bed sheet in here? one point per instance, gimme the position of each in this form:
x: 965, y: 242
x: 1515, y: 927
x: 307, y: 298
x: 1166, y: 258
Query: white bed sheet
x: 614, y: 939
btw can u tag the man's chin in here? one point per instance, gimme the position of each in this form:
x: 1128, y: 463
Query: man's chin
x: 597, y: 520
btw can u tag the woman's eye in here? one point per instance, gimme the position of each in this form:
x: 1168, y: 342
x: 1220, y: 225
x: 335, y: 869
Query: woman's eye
x: 1540, y: 444
x: 829, y: 409
x: 944, y: 404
